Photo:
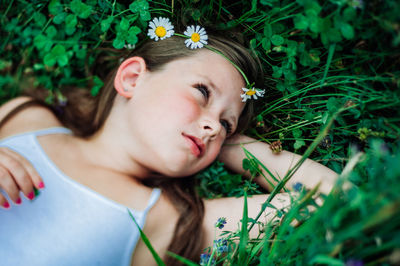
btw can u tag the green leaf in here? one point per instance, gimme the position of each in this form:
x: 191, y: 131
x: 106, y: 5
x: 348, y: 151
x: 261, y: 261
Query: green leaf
x: 277, y: 71
x: 278, y: 28
x: 349, y: 14
x: 347, y: 31
x: 314, y: 23
x: 58, y: 50
x: 55, y: 7
x: 124, y: 24
x: 267, y: 30
x: 62, y: 60
x: 145, y: 15
x: 246, y: 164
x: 51, y: 31
x: 70, y: 24
x: 56, y: 55
x: 40, y: 19
x: 49, y: 60
x: 266, y: 44
x: 297, y: 133
x: 40, y: 41
x: 139, y: 6
x: 97, y: 85
x: 134, y: 30
x: 298, y: 144
x: 132, y: 38
x: 334, y: 35
x: 332, y: 104
x: 300, y: 22
x: 147, y: 242
x: 80, y: 9
x: 59, y: 18
x: 253, y: 43
x: 277, y: 40
x: 118, y: 43
x: 106, y: 23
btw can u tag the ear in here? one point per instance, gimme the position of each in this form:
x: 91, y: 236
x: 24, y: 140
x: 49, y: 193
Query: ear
x: 127, y: 75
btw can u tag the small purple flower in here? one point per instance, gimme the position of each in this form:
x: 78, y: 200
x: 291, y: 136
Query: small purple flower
x: 297, y: 186
x: 354, y: 262
x: 205, y: 258
x: 220, y: 223
x: 221, y: 245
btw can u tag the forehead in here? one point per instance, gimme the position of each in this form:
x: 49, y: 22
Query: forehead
x: 212, y: 68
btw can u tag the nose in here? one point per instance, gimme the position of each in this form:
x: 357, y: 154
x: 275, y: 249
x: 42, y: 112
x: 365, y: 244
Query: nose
x: 211, y: 126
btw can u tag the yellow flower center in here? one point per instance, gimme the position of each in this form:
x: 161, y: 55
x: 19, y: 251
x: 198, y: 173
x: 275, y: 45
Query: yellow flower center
x: 251, y: 92
x: 160, y: 31
x: 195, y: 37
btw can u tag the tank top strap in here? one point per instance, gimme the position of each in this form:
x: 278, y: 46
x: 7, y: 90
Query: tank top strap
x: 52, y: 130
x: 155, y: 195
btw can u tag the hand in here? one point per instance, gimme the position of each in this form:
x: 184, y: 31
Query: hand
x: 17, y: 174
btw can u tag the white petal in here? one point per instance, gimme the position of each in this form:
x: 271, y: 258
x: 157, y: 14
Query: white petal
x: 191, y: 30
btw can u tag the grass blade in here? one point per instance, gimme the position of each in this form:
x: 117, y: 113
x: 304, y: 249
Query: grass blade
x: 147, y: 242
x: 244, y: 234
x: 182, y: 259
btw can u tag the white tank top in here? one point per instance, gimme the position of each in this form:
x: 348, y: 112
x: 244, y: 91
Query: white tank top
x: 67, y: 223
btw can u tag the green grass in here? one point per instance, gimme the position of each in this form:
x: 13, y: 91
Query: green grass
x: 318, y: 57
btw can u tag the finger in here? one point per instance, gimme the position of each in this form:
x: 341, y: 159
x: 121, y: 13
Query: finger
x: 8, y: 184
x: 35, y: 177
x: 18, y: 174
x: 3, y: 202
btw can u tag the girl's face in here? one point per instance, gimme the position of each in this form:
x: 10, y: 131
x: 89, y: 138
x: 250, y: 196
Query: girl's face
x: 181, y: 114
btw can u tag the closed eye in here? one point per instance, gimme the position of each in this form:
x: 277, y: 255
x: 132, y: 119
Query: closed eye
x: 227, y: 126
x: 203, y: 89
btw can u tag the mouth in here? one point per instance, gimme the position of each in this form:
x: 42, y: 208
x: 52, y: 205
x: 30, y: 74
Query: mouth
x: 197, y: 146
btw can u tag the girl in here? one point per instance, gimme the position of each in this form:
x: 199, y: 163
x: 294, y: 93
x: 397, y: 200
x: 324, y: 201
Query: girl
x: 163, y: 117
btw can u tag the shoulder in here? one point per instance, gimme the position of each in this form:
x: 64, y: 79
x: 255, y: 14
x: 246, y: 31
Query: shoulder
x: 32, y: 118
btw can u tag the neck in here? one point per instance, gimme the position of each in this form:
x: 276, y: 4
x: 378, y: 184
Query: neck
x: 110, y: 148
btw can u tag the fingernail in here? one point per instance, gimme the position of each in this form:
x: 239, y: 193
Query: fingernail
x: 18, y: 201
x: 31, y: 195
x: 41, y: 184
x: 6, y: 205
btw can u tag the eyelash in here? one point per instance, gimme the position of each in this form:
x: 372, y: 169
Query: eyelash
x: 227, y: 126
x: 203, y: 89
x: 206, y: 93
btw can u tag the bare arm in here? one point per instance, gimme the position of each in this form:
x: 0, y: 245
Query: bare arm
x: 232, y: 209
x: 309, y: 174
x: 16, y: 173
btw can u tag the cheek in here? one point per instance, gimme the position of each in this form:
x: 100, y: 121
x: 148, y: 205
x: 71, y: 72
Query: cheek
x: 185, y: 107
x: 214, y: 150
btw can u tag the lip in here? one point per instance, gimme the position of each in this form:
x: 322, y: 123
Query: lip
x: 197, y: 146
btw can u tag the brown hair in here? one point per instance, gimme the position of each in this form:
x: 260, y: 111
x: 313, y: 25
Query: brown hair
x: 85, y: 118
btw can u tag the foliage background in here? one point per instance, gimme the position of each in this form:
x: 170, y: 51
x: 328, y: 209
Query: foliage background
x: 318, y: 56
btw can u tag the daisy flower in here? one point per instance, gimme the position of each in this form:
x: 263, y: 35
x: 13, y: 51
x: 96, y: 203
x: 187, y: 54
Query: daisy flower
x: 160, y: 28
x: 197, y: 37
x: 248, y: 93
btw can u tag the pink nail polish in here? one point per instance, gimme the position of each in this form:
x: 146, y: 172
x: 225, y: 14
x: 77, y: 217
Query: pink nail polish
x: 6, y: 205
x: 31, y: 195
x: 18, y: 201
x: 41, y: 185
